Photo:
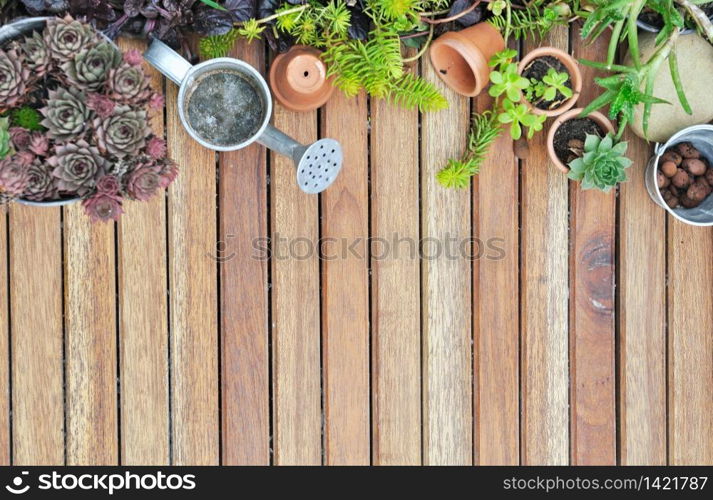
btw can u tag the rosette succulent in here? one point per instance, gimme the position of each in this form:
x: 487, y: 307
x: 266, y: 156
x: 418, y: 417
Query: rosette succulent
x: 37, y: 55
x: 40, y: 182
x: 89, y: 69
x: 65, y: 37
x: 14, y: 79
x: 14, y: 173
x: 124, y: 133
x: 128, y: 84
x: 76, y: 166
x: 143, y: 181
x: 103, y: 207
x: 603, y: 164
x: 66, y: 114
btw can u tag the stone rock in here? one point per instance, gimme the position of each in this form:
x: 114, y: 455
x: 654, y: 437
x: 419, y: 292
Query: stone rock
x: 695, y: 64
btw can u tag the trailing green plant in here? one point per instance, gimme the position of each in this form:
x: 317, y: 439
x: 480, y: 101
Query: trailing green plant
x: 508, y: 109
x: 534, y: 19
x: 603, y: 164
x: 553, y: 83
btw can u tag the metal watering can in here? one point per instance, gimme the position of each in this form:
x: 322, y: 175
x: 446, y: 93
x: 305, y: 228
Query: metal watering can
x: 317, y: 165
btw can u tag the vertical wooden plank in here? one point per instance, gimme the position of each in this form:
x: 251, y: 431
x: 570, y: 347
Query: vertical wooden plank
x: 192, y: 239
x: 446, y: 289
x: 4, y: 347
x: 295, y: 304
x: 345, y: 293
x: 244, y: 300
x: 36, y: 312
x: 395, y: 286
x: 690, y: 377
x: 642, y: 317
x: 592, y: 364
x: 143, y: 317
x: 544, y: 296
x: 90, y: 315
x: 496, y: 304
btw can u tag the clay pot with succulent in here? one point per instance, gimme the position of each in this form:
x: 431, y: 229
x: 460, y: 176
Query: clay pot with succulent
x: 74, y: 123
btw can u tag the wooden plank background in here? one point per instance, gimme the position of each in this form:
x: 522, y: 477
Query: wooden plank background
x: 582, y: 334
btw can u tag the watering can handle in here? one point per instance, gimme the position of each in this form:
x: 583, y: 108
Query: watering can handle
x: 167, y: 61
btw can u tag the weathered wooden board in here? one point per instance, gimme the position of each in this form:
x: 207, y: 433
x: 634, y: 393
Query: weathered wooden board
x: 37, y: 336
x: 5, y: 394
x: 395, y: 286
x: 345, y: 287
x: 244, y: 330
x: 642, y: 317
x: 544, y: 301
x: 592, y: 254
x: 143, y: 318
x: 496, y: 303
x: 690, y: 344
x: 296, y: 338
x: 192, y: 240
x: 446, y: 288
x: 90, y: 342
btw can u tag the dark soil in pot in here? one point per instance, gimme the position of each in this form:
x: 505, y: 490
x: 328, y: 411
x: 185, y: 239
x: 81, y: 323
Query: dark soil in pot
x: 569, y: 138
x: 537, y: 69
x: 654, y: 20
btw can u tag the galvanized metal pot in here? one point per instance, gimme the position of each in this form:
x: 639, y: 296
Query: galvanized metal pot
x: 701, y: 136
x: 11, y: 32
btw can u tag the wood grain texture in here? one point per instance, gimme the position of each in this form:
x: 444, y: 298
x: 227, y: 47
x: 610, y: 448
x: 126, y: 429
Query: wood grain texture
x: 4, y: 346
x: 345, y: 287
x: 690, y: 347
x: 143, y: 317
x: 192, y: 240
x: 395, y: 287
x: 642, y: 317
x: 446, y: 289
x: 496, y: 304
x: 242, y: 203
x: 295, y: 304
x: 544, y: 296
x: 36, y: 312
x: 592, y: 254
x: 90, y: 340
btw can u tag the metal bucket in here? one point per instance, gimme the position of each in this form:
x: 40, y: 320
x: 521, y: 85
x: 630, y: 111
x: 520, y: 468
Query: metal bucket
x: 8, y: 33
x: 701, y: 136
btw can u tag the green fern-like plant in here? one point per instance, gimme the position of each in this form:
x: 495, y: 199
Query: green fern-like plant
x: 218, y: 45
x: 485, y: 129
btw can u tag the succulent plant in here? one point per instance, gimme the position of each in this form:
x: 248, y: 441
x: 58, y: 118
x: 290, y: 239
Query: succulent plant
x: 41, y: 183
x: 156, y: 148
x: 66, y: 114
x: 101, y: 104
x: 603, y: 164
x: 88, y: 70
x: 37, y: 55
x: 128, y: 84
x: 14, y: 79
x: 76, y: 167
x: 39, y: 144
x: 122, y: 134
x: 5, y: 140
x: 20, y: 138
x: 109, y: 184
x: 103, y: 207
x: 14, y: 173
x: 143, y: 181
x: 65, y: 37
x: 167, y: 172
x: 26, y: 117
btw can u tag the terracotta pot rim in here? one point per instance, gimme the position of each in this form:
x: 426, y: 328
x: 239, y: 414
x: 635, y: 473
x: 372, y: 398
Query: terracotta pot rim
x: 319, y: 97
x: 595, y: 116
x: 472, y: 57
x: 572, y: 68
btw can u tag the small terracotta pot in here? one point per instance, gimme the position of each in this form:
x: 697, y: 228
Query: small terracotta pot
x: 595, y: 116
x: 574, y: 74
x: 299, y: 80
x: 461, y: 57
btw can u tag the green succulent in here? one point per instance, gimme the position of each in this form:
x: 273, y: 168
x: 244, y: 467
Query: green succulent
x: 5, y: 146
x: 547, y: 89
x: 603, y: 164
x: 89, y: 69
x: 519, y: 116
x: 27, y: 118
x: 508, y: 81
